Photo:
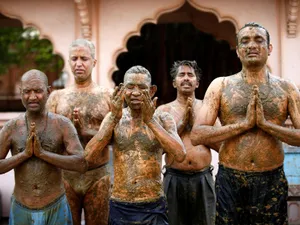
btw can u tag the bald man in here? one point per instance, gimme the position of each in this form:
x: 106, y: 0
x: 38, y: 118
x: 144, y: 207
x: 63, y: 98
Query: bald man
x: 41, y: 144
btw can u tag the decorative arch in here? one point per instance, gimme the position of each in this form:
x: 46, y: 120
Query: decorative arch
x: 155, y: 18
x: 27, y: 24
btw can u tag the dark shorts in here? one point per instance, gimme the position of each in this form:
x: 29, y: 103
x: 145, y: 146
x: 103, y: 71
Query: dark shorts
x: 258, y: 198
x: 191, y: 197
x: 57, y: 213
x: 152, y: 213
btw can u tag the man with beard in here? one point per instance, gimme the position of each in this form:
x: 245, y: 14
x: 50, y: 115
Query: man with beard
x: 86, y: 104
x: 252, y: 105
x: 140, y: 135
x: 189, y: 185
x: 41, y: 144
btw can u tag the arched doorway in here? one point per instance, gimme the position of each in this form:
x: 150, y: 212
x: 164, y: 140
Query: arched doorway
x: 183, y: 34
x: 21, y: 50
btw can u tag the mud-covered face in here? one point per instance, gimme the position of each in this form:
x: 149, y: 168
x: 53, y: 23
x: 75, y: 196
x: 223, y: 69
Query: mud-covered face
x: 134, y: 85
x: 81, y: 63
x: 34, y: 93
x: 186, y: 80
x: 253, y: 48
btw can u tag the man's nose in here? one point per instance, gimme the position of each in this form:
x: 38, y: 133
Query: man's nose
x: 186, y: 77
x: 78, y: 62
x: 136, y: 92
x: 32, y: 95
x: 252, y: 44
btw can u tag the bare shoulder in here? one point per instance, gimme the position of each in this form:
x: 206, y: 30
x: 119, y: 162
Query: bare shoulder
x: 166, y: 107
x: 104, y: 91
x: 14, y: 123
x: 59, y: 120
x: 57, y: 93
x: 286, y: 84
x: 163, y: 116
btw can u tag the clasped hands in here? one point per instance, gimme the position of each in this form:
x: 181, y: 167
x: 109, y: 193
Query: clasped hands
x: 33, y: 144
x: 255, y: 112
x: 148, y: 105
x: 189, y: 117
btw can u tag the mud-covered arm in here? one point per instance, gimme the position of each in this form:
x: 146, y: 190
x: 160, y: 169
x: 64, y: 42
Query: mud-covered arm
x: 6, y: 164
x: 204, y: 132
x: 288, y: 135
x: 73, y: 159
x: 216, y: 145
x: 167, y: 135
x: 97, y: 144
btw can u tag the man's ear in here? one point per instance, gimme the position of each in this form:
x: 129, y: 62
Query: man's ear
x: 49, y: 90
x: 174, y: 84
x: 270, y: 49
x: 237, y: 51
x: 153, y: 90
x: 95, y: 61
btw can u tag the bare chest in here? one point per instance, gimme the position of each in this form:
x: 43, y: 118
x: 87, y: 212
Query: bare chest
x: 137, y: 138
x: 91, y: 106
x: 235, y: 100
x: 49, y: 137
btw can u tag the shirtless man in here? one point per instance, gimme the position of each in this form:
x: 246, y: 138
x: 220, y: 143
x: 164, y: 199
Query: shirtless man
x: 86, y: 104
x: 41, y: 144
x: 252, y: 106
x: 188, y: 183
x: 139, y: 136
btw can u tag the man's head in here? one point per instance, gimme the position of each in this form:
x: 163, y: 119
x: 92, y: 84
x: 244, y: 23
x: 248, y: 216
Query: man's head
x: 82, y: 59
x: 186, y: 76
x: 136, y: 80
x: 34, y: 90
x: 253, y: 44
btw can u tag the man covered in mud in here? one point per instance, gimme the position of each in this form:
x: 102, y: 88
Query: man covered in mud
x: 252, y: 106
x: 41, y: 144
x: 189, y: 185
x: 140, y: 135
x: 85, y: 104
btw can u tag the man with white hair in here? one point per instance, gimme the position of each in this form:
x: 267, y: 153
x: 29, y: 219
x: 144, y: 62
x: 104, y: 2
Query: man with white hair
x: 86, y: 104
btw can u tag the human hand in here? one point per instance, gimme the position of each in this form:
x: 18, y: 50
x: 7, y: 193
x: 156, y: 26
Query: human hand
x: 148, y: 106
x: 37, y: 148
x: 251, y: 109
x: 191, y: 116
x: 29, y: 142
x: 76, y: 119
x: 260, y: 117
x: 117, y: 101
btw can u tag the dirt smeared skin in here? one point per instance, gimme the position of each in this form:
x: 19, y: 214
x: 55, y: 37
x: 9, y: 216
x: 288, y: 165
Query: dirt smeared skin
x: 252, y: 106
x: 197, y: 157
x: 137, y: 160
x: 38, y: 183
x: 139, y: 134
x: 93, y: 104
x: 41, y: 144
x: 252, y: 149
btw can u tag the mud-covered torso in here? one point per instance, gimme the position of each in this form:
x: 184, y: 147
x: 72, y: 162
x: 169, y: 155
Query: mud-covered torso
x: 137, y: 161
x: 253, y: 150
x: 93, y: 105
x: 37, y: 183
x: 197, y: 157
